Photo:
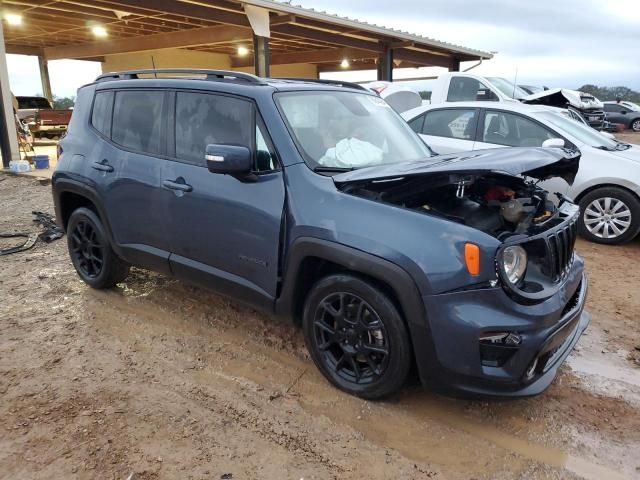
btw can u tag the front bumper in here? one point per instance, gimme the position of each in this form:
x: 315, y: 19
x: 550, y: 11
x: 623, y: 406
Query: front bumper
x: 549, y: 331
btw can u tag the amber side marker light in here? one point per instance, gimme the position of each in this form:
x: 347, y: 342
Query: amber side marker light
x: 472, y: 258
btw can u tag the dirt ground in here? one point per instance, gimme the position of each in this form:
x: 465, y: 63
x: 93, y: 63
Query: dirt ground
x: 168, y: 381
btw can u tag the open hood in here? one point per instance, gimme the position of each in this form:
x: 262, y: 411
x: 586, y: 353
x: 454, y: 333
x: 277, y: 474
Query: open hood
x: 561, y: 97
x: 537, y: 163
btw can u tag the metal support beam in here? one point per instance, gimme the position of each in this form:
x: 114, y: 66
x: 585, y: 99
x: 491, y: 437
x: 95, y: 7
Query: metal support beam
x: 261, y: 56
x: 385, y: 64
x: 8, y: 134
x: 44, y: 78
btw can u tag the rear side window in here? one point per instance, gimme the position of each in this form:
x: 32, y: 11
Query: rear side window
x: 137, y: 120
x: 203, y: 119
x: 452, y: 123
x: 465, y: 89
x: 101, y: 115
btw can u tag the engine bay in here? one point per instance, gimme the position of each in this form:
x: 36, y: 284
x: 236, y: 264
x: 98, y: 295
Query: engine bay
x: 500, y: 205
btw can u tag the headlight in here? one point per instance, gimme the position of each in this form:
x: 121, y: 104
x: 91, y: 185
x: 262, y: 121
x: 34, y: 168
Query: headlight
x: 514, y: 263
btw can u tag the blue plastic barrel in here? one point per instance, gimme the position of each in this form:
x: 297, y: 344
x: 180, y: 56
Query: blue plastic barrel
x: 41, y: 161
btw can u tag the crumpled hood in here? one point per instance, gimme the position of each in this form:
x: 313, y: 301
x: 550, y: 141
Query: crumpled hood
x: 560, y: 97
x: 539, y: 163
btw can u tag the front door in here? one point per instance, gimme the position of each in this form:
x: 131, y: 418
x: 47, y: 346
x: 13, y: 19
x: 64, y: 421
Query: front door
x: 224, y: 231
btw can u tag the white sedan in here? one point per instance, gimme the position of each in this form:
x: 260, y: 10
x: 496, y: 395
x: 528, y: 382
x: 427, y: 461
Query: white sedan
x: 607, y: 185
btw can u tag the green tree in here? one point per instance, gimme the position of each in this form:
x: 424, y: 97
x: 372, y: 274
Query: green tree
x: 63, y: 103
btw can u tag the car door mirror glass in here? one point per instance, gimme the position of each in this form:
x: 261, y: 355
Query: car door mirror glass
x: 553, y: 143
x: 229, y: 159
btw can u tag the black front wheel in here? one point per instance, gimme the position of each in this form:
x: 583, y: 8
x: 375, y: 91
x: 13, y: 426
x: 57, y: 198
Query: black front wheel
x: 90, y: 251
x: 635, y: 125
x: 356, y: 336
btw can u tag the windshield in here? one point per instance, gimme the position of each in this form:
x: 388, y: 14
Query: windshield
x: 579, y: 131
x: 632, y: 106
x: 508, y: 88
x: 348, y: 130
x: 32, y: 102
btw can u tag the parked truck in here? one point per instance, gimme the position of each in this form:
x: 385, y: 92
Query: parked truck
x: 41, y: 118
x: 468, y: 87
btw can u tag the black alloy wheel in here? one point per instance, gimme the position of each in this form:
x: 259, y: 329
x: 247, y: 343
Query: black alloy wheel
x: 356, y: 336
x: 351, y: 337
x: 90, y: 250
x: 88, y: 253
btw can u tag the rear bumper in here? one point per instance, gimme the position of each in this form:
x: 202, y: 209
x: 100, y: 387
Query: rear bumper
x: 549, y: 331
x: 49, y: 128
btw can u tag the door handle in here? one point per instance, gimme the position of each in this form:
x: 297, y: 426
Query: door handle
x: 102, y: 166
x: 177, y: 184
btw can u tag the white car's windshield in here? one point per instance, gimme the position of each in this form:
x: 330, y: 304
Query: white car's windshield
x: 579, y: 131
x: 348, y: 130
x: 507, y: 87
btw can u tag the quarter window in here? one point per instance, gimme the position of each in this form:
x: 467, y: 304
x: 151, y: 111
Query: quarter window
x: 204, y: 119
x: 137, y: 120
x: 451, y: 123
x: 101, y: 115
x: 504, y: 128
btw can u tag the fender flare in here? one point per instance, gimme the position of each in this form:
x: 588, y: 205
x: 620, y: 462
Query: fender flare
x: 373, y: 266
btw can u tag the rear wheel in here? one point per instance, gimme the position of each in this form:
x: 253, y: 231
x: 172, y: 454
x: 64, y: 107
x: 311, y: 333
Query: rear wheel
x: 90, y: 251
x: 356, y: 336
x: 609, y: 215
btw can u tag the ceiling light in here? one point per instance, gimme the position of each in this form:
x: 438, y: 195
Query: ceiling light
x: 13, y: 19
x: 99, y: 31
x: 345, y: 63
x: 242, y: 51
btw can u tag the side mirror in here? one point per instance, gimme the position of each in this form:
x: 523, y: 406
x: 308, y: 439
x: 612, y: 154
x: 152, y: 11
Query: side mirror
x: 230, y: 159
x: 553, y: 143
x: 624, y: 112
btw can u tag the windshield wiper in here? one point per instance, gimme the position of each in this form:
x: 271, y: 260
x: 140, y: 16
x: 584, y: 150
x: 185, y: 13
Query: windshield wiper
x: 325, y: 169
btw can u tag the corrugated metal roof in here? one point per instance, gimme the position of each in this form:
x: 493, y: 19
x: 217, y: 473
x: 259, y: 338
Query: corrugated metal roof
x: 312, y: 13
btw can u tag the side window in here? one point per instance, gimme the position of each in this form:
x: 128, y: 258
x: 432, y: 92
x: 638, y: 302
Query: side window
x: 504, y: 128
x: 203, y: 119
x: 416, y: 124
x: 265, y: 158
x: 466, y: 89
x: 101, y: 115
x: 453, y: 123
x: 137, y: 120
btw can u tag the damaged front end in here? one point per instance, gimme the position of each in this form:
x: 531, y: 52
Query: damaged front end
x: 496, y: 192
x: 584, y: 103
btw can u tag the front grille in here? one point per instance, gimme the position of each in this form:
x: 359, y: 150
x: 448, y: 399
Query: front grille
x: 560, y: 245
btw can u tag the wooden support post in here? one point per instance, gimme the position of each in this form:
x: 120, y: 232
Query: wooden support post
x: 261, y: 56
x: 8, y: 135
x: 44, y: 78
x: 385, y: 64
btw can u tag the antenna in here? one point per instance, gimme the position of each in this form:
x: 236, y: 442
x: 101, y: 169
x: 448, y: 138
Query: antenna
x: 515, y: 82
x: 153, y: 63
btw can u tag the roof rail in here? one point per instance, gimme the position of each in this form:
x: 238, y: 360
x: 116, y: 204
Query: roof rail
x: 210, y: 74
x: 324, y: 81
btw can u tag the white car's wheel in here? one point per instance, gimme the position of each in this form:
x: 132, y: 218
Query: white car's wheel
x: 609, y: 215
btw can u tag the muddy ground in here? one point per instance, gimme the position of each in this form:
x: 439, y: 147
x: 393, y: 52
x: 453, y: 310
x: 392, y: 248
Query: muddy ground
x: 169, y: 381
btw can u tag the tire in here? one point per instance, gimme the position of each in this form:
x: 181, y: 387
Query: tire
x: 90, y: 250
x: 376, y: 346
x: 635, y: 125
x: 609, y: 208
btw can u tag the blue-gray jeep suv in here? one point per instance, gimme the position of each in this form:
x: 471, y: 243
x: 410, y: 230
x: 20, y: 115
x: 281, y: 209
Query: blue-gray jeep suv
x: 314, y: 200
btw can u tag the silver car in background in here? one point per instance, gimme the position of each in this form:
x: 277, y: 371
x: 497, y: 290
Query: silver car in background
x: 607, y: 186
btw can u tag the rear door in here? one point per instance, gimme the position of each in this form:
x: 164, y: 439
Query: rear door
x: 135, y: 156
x: 224, y: 232
x: 448, y: 130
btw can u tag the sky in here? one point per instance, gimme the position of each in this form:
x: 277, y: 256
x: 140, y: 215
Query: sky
x: 556, y: 43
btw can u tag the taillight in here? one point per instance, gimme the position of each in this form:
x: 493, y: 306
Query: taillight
x: 379, y: 89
